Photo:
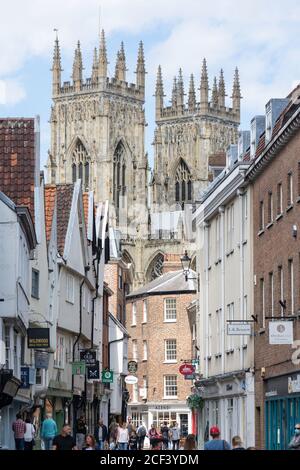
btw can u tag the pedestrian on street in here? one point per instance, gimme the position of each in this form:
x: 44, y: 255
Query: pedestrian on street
x: 216, y: 443
x: 175, y: 436
x: 154, y: 437
x: 90, y: 443
x: 101, y: 434
x: 29, y: 435
x: 49, y: 431
x: 237, y: 443
x: 133, y: 441
x: 123, y: 437
x: 81, y: 432
x: 164, y: 430
x: 130, y: 426
x: 141, y: 433
x: 190, y: 442
x: 19, y: 429
x: 64, y: 441
x: 295, y: 442
x: 113, y: 429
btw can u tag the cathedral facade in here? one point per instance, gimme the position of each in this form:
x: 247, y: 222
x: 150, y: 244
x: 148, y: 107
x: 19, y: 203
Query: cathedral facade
x: 97, y: 135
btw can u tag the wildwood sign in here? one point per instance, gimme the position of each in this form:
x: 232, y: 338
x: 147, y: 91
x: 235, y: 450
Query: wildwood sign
x: 38, y: 338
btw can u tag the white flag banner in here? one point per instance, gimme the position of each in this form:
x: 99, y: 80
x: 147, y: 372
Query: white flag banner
x: 281, y: 332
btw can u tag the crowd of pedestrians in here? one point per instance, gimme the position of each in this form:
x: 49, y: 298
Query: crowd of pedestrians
x: 121, y: 436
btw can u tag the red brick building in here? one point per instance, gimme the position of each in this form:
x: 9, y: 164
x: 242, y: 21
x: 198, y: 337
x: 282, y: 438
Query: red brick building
x: 275, y: 175
x: 160, y: 340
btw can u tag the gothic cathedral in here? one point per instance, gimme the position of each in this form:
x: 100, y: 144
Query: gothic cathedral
x: 97, y: 135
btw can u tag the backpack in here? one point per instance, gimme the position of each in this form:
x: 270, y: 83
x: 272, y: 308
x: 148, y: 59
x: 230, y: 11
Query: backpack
x: 142, y: 431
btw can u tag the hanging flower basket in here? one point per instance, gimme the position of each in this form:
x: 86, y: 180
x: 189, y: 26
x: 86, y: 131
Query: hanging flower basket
x: 195, y: 402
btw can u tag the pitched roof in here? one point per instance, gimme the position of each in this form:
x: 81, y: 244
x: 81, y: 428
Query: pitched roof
x: 85, y: 201
x: 170, y: 282
x: 17, y: 161
x: 64, y: 202
x: 50, y: 196
x: 217, y: 159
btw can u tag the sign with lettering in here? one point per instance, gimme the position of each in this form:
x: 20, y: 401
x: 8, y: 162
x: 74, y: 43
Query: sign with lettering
x: 41, y: 359
x: 281, y: 332
x: 187, y: 369
x: 38, y: 338
x: 88, y: 356
x: 78, y: 368
x: 239, y: 328
x: 132, y: 367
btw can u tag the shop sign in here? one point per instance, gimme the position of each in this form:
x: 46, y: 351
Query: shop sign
x: 107, y: 376
x: 78, y: 368
x: 189, y: 376
x: 281, y: 332
x: 294, y: 384
x: 88, y: 356
x: 93, y: 371
x: 132, y: 367
x: 187, y: 369
x: 38, y: 338
x: 41, y: 359
x: 131, y: 379
x: 27, y: 377
x: 239, y: 329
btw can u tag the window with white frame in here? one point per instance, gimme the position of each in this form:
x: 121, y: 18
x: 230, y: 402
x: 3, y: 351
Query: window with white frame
x: 170, y: 350
x: 120, y: 278
x: 291, y: 287
x: 134, y: 350
x: 70, y: 288
x: 290, y: 189
x: 170, y: 386
x: 194, y: 332
x: 230, y: 226
x: 218, y: 237
x: 262, y: 301
x: 145, y: 351
x: 271, y: 294
x: 170, y: 310
x: 280, y: 279
x: 261, y: 215
x: 133, y: 320
x: 279, y: 199
x: 60, y: 354
x: 145, y: 311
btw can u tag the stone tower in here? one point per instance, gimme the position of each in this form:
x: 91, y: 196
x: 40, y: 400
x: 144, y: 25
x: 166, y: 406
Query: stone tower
x: 187, y: 134
x: 97, y: 131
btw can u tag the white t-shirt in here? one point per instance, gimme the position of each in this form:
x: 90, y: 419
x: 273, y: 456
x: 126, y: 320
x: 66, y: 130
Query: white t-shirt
x: 30, y: 432
x: 123, y: 435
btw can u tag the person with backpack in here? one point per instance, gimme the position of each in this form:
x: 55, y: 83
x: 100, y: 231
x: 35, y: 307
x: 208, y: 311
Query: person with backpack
x: 141, y: 434
x: 216, y: 443
x: 164, y: 430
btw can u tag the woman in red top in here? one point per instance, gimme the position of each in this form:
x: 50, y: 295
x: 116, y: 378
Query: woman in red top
x: 155, y: 438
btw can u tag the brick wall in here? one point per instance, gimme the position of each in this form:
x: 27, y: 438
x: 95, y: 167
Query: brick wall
x: 156, y: 331
x: 274, y: 247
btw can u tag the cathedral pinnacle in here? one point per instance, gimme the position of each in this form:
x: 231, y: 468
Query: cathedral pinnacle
x: 77, y: 68
x: 174, y: 93
x: 214, y: 94
x: 95, y: 67
x: 102, y: 69
x: 140, y: 67
x: 221, y: 90
x: 56, y: 68
x: 236, y: 93
x: 120, y: 73
x: 159, y: 94
x: 180, y: 90
x: 192, y: 95
x: 204, y: 88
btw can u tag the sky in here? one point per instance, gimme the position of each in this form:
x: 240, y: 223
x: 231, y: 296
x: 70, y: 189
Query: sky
x: 260, y: 37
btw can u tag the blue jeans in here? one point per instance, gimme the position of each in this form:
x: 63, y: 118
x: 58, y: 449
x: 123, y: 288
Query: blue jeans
x: 20, y: 443
x: 48, y: 443
x: 101, y: 445
x: 123, y: 446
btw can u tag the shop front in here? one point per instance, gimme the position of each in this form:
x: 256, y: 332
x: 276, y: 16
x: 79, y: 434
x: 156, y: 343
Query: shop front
x: 282, y: 410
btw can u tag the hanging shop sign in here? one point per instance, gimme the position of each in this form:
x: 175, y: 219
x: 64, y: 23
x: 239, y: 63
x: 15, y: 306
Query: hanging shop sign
x: 294, y: 384
x: 131, y: 379
x: 27, y: 377
x: 88, y: 356
x: 132, y: 367
x: 41, y: 359
x: 78, y: 368
x: 239, y: 329
x: 93, y: 371
x: 107, y: 376
x: 38, y: 338
x: 189, y: 376
x: 281, y: 332
x: 187, y: 369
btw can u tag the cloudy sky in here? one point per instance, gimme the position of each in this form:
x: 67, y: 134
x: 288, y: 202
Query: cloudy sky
x: 261, y: 37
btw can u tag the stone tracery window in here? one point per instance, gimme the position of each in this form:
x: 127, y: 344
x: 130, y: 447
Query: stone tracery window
x: 81, y: 166
x: 156, y: 268
x: 119, y: 175
x: 183, y: 183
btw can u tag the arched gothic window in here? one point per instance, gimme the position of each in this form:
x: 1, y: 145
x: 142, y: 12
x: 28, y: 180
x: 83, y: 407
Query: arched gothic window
x: 156, y: 267
x: 81, y: 166
x: 183, y: 183
x: 119, y: 175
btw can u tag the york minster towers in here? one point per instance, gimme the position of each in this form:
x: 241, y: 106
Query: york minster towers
x: 97, y: 129
x: 97, y: 135
x: 188, y: 133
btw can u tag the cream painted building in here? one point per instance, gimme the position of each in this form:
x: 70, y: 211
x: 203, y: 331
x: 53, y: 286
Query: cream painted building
x: 224, y: 242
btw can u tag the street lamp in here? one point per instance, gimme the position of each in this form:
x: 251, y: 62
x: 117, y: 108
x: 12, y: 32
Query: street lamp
x: 186, y: 264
